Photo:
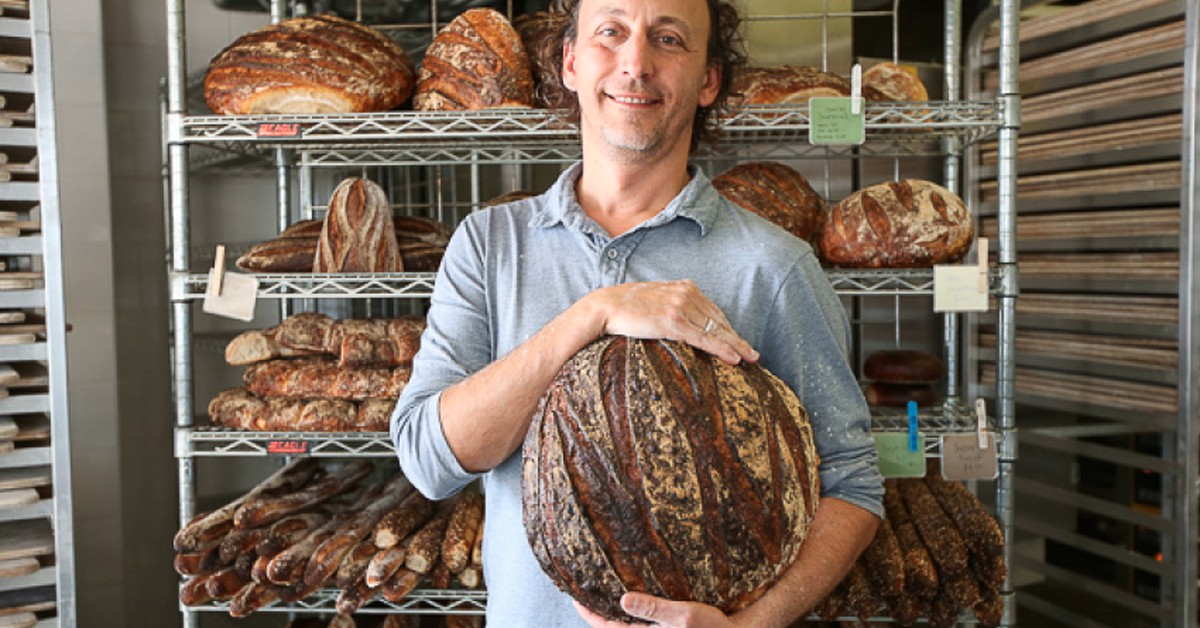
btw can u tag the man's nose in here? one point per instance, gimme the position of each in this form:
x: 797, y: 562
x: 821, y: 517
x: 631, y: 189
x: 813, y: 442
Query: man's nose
x: 637, y: 57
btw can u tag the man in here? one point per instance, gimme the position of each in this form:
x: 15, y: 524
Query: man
x: 630, y: 242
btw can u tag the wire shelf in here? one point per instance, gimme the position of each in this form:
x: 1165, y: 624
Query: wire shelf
x: 192, y: 286
x: 218, y: 442
x: 509, y: 135
x: 419, y: 602
x: 951, y: 417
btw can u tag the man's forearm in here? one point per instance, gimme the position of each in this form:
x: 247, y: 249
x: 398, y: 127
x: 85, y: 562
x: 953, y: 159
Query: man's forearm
x: 840, y: 531
x: 485, y: 416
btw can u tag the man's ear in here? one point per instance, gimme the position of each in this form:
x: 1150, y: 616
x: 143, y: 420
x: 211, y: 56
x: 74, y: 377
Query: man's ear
x: 568, y: 66
x: 712, y: 85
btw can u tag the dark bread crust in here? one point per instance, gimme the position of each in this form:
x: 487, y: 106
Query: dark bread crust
x: 904, y: 366
x: 897, y: 224
x: 311, y: 64
x: 776, y: 192
x: 477, y: 61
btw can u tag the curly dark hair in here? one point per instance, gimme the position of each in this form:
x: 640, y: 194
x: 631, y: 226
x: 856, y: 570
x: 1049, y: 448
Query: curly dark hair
x: 726, y: 49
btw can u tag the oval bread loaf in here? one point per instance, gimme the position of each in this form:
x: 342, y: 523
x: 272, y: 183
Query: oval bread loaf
x: 904, y: 366
x: 650, y: 466
x: 311, y: 64
x: 477, y: 61
x: 776, y: 192
x: 897, y: 224
x: 890, y: 81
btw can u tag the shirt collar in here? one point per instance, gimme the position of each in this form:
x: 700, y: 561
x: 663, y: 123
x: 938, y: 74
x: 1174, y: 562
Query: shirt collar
x: 695, y: 202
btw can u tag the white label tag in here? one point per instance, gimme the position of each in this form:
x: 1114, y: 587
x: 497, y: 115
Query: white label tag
x: 964, y: 459
x: 956, y: 289
x: 237, y: 295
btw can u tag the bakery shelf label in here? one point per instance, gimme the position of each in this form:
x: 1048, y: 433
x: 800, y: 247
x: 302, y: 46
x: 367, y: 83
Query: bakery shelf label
x: 897, y: 457
x: 964, y: 459
x: 836, y: 120
x: 287, y: 447
x: 279, y: 130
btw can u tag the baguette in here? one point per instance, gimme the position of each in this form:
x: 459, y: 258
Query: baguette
x: 400, y: 585
x: 258, y: 571
x: 945, y: 544
x: 383, y: 563
x: 225, y: 583
x: 262, y: 511
x: 321, y: 377
x: 280, y: 255
x: 216, y: 523
x: 353, y: 597
x: 305, y: 331
x: 194, y: 592
x: 979, y: 530
x: 287, y: 531
x: 920, y: 576
x: 239, y: 542
x: 396, y: 525
x: 471, y: 577
x: 258, y: 345
x: 461, y: 531
x: 477, y: 548
x: 440, y: 576
x: 200, y: 561
x: 326, y: 558
x: 253, y: 597
x: 885, y: 565
x: 288, y: 566
x: 356, y: 565
x: 424, y: 548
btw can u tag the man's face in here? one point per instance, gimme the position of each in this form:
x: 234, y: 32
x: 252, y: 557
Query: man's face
x: 639, y: 69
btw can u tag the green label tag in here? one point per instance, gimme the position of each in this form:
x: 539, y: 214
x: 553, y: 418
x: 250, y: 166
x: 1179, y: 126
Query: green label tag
x: 896, y: 457
x: 832, y: 121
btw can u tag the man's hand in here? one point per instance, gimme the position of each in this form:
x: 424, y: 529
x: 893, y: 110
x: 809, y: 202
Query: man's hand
x: 660, y: 612
x: 673, y: 310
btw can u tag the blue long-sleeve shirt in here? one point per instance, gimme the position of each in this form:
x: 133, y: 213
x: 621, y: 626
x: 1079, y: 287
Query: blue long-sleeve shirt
x: 511, y: 269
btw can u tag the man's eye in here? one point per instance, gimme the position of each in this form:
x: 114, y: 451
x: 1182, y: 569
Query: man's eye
x: 670, y: 41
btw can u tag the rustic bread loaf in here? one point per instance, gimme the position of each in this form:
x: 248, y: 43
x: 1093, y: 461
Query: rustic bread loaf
x: 898, y: 224
x: 322, y: 378
x: 785, y: 84
x: 889, y: 81
x: 311, y: 64
x: 650, y: 466
x: 476, y: 61
x: 538, y: 31
x: 776, y: 192
x: 904, y: 366
x: 882, y: 394
x: 280, y: 255
x: 358, y: 234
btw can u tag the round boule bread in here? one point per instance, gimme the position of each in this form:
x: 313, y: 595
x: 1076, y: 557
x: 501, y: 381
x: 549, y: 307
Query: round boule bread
x: 651, y: 466
x: 477, y: 61
x: 785, y: 84
x: 311, y: 64
x: 897, y: 224
x: 776, y: 192
x: 890, y: 81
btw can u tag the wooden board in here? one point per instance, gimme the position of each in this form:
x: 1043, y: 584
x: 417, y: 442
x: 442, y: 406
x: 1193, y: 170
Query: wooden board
x: 8, y: 374
x: 8, y: 428
x: 19, y: 539
x: 1122, y: 224
x: 1090, y: 390
x: 18, y: 567
x: 6, y: 446
x: 1102, y: 94
x: 24, y: 477
x: 31, y: 600
x: 12, y: 316
x: 1072, y: 17
x: 17, y: 339
x: 1141, y: 43
x: 1121, y: 350
x: 19, y: 620
x: 1094, y: 181
x: 30, y: 374
x: 1123, y: 135
x: 1101, y: 308
x: 18, y: 498
x: 33, y: 427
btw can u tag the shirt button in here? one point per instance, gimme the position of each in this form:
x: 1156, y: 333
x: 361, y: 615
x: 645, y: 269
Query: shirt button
x: 612, y: 254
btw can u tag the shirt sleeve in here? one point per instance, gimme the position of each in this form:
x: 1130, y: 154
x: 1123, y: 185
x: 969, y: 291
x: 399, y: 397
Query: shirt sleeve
x: 456, y: 343
x: 815, y: 365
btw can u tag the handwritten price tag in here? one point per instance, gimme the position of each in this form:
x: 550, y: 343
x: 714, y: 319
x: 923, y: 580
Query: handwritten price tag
x: 964, y: 459
x: 896, y: 458
x: 836, y: 120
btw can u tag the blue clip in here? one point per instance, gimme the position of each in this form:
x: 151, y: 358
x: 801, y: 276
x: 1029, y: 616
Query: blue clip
x: 912, y: 426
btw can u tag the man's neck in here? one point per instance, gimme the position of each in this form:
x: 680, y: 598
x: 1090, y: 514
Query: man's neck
x: 620, y: 195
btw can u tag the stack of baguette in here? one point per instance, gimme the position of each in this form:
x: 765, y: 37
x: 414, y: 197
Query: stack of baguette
x: 313, y: 373
x: 936, y: 552
x: 306, y: 528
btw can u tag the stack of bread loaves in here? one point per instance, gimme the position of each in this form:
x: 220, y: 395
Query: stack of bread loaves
x: 314, y: 373
x: 308, y: 527
x: 897, y: 376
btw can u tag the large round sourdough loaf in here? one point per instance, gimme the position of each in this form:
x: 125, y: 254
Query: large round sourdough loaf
x: 477, y: 61
x: 897, y: 224
x: 776, y: 192
x: 358, y: 234
x: 312, y: 64
x: 650, y: 466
